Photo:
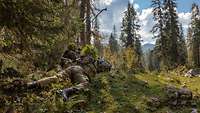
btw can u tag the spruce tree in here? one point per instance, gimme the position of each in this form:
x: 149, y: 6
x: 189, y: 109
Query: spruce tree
x: 150, y: 59
x: 182, y: 48
x: 138, y: 51
x: 189, y: 47
x: 129, y: 34
x: 171, y: 32
x: 113, y: 43
x: 158, y: 30
x: 195, y: 26
x: 27, y: 19
x: 167, y: 28
x: 129, y: 27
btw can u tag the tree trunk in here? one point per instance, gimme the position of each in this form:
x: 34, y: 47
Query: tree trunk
x: 88, y: 22
x: 82, y: 17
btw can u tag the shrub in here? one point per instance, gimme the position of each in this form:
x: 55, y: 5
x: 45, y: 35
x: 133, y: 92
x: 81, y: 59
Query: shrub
x: 89, y: 50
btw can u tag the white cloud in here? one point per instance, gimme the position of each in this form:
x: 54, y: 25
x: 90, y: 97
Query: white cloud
x: 146, y: 22
x: 136, y: 6
x: 106, y: 2
x: 131, y: 1
x: 185, y: 19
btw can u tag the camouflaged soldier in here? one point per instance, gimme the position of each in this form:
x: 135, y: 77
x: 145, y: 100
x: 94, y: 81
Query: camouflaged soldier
x: 86, y: 68
x: 79, y: 69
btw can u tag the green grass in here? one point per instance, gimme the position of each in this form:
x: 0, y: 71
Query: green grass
x: 123, y: 93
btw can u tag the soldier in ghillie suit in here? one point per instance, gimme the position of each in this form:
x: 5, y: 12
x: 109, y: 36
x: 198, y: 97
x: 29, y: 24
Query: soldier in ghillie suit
x: 79, y: 69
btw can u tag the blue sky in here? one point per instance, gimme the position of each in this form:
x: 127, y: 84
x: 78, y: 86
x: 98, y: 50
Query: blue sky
x: 116, y: 10
x: 183, y: 5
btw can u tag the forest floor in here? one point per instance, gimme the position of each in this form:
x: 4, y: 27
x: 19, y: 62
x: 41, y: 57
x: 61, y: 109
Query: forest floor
x: 114, y: 92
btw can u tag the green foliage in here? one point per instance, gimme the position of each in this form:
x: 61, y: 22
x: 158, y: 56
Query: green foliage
x: 28, y: 18
x: 194, y: 37
x: 114, y: 47
x: 89, y: 50
x: 182, y: 47
x: 129, y: 34
x: 16, y: 62
x: 129, y: 27
x: 113, y: 43
x: 49, y: 54
x: 170, y: 42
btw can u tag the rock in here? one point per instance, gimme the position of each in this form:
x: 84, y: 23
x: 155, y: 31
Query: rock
x: 185, y: 93
x: 178, y: 97
x: 185, y: 96
x: 193, y: 73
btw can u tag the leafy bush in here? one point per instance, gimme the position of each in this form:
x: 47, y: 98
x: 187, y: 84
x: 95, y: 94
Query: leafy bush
x: 89, y: 50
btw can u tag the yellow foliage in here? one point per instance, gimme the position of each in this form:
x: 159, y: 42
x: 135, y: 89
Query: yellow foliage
x: 113, y: 58
x: 129, y: 58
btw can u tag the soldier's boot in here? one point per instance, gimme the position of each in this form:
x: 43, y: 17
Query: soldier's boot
x: 66, y: 93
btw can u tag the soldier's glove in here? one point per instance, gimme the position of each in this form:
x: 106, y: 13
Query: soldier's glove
x: 66, y: 93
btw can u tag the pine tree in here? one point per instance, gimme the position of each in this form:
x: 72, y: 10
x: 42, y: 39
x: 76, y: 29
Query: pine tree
x: 150, y: 59
x: 158, y: 28
x: 182, y: 48
x: 189, y: 47
x: 27, y: 19
x: 129, y: 27
x: 138, y: 51
x: 171, y: 32
x: 167, y: 28
x: 129, y: 34
x: 113, y: 43
x: 195, y: 26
